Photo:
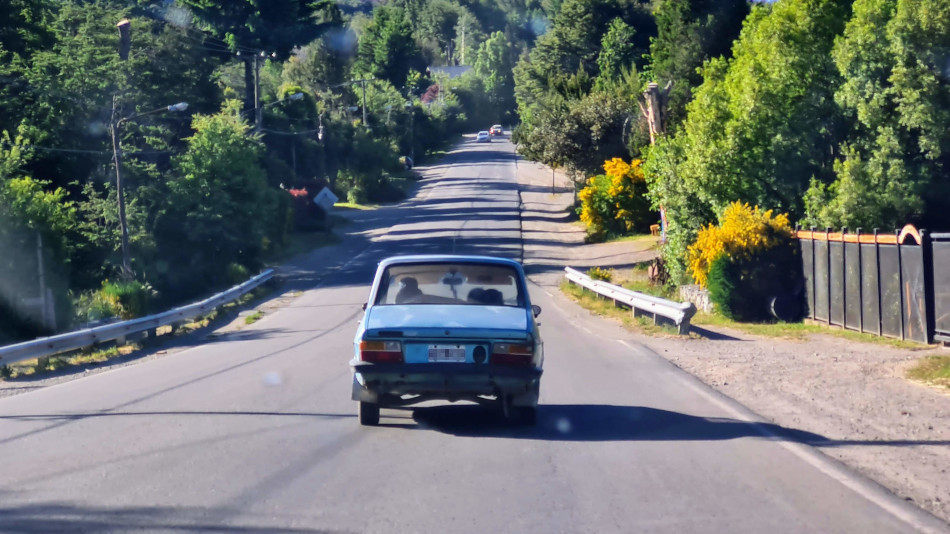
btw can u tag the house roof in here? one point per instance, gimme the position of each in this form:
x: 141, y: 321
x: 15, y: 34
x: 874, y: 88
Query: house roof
x: 453, y: 71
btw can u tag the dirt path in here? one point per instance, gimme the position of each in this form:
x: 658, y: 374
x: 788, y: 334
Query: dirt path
x: 893, y: 431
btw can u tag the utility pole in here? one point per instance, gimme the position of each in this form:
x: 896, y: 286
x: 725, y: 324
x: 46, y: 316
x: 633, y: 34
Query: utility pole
x: 125, y: 44
x: 363, y: 85
x: 463, y: 44
x: 655, y: 113
x: 258, y: 115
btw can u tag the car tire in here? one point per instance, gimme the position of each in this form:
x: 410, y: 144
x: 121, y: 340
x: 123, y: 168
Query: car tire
x: 369, y: 414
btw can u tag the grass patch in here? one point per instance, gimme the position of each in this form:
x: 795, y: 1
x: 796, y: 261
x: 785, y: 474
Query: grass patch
x: 603, y: 307
x: 254, y: 317
x: 800, y: 330
x: 932, y: 370
x: 353, y: 206
x: 648, y: 240
x: 42, y: 366
x: 638, y: 279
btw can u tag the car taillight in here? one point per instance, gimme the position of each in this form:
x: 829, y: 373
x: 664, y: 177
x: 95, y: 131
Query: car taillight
x: 381, y: 351
x: 512, y: 354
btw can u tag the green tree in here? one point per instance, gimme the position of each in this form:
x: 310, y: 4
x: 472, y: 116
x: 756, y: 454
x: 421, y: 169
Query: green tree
x: 30, y: 211
x: 218, y: 209
x: 894, y: 165
x: 435, y: 29
x: 272, y: 27
x: 468, y: 37
x: 387, y: 49
x: 690, y: 32
x: 493, y: 66
x: 617, y: 51
x: 759, y: 126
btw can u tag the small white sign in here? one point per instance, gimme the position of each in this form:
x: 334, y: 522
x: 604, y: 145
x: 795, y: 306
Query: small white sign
x: 325, y: 199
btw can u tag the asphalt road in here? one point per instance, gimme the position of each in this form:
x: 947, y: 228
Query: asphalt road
x: 254, y: 431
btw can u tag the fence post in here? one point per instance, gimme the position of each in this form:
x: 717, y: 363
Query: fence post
x: 860, y: 283
x: 900, y: 280
x: 814, y: 284
x: 930, y: 288
x: 828, y: 268
x: 880, y: 289
x: 844, y: 280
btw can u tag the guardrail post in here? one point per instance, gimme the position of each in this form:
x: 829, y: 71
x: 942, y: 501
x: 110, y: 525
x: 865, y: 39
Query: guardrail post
x: 687, y: 316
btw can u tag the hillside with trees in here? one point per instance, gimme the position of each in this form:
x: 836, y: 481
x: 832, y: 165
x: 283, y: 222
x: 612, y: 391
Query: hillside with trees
x: 828, y: 113
x: 225, y: 115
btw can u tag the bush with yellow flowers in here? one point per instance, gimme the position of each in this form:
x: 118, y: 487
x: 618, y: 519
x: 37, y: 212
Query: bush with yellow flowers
x: 615, y: 203
x: 747, y: 262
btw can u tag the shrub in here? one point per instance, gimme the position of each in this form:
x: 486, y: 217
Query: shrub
x: 747, y: 261
x: 133, y: 297
x: 743, y: 232
x: 237, y: 273
x: 95, y: 306
x: 598, y: 273
x: 126, y: 300
x: 615, y: 203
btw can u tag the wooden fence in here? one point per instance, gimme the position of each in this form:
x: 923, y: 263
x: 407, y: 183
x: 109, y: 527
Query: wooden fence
x: 877, y: 283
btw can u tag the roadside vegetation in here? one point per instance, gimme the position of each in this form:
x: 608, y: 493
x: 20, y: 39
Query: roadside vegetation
x: 777, y: 114
x: 932, y: 370
x: 215, y: 182
x: 604, y: 307
x: 771, y: 115
x: 88, y: 357
x: 638, y: 279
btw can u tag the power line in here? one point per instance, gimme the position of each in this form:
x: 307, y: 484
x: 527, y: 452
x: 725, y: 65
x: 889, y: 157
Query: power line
x: 81, y: 151
x: 281, y: 132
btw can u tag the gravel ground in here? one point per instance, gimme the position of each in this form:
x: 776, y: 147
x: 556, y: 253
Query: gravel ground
x: 874, y: 420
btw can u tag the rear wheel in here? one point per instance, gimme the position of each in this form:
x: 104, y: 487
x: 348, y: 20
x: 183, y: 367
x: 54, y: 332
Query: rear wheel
x: 369, y: 414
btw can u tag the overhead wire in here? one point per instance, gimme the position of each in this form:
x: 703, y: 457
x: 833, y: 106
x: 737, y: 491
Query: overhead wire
x: 127, y: 152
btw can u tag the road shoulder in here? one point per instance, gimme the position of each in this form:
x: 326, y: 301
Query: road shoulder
x: 855, y: 395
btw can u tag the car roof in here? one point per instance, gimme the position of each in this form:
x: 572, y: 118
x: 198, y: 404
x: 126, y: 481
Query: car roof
x: 447, y: 258
x: 483, y: 132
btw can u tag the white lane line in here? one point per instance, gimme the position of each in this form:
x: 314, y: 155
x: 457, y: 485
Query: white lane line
x: 875, y: 493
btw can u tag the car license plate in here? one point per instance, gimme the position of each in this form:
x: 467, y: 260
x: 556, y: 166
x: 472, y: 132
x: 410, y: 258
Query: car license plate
x: 446, y: 353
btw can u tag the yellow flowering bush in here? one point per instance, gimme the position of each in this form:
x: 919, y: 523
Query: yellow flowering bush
x: 615, y: 203
x: 599, y: 273
x: 744, y: 232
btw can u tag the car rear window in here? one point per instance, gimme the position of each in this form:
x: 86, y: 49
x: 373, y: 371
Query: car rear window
x: 450, y: 283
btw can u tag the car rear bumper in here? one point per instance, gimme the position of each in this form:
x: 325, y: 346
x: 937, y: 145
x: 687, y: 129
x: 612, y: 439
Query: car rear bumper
x: 445, y: 381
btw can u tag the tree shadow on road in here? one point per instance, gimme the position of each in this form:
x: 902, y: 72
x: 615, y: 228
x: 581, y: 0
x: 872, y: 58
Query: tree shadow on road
x: 599, y: 422
x: 69, y: 517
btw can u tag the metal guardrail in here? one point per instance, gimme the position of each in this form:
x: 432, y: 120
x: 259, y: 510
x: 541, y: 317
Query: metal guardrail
x: 47, y: 346
x: 676, y: 312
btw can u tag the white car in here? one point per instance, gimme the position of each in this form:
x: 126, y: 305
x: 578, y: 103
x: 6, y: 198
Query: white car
x: 483, y: 137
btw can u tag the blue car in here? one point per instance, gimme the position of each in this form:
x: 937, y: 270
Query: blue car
x: 448, y: 328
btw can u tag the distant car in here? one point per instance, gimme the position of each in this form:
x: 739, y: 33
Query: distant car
x: 483, y: 137
x: 448, y: 328
x: 496, y: 130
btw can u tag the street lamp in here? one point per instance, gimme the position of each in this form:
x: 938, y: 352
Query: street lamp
x: 117, y: 152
